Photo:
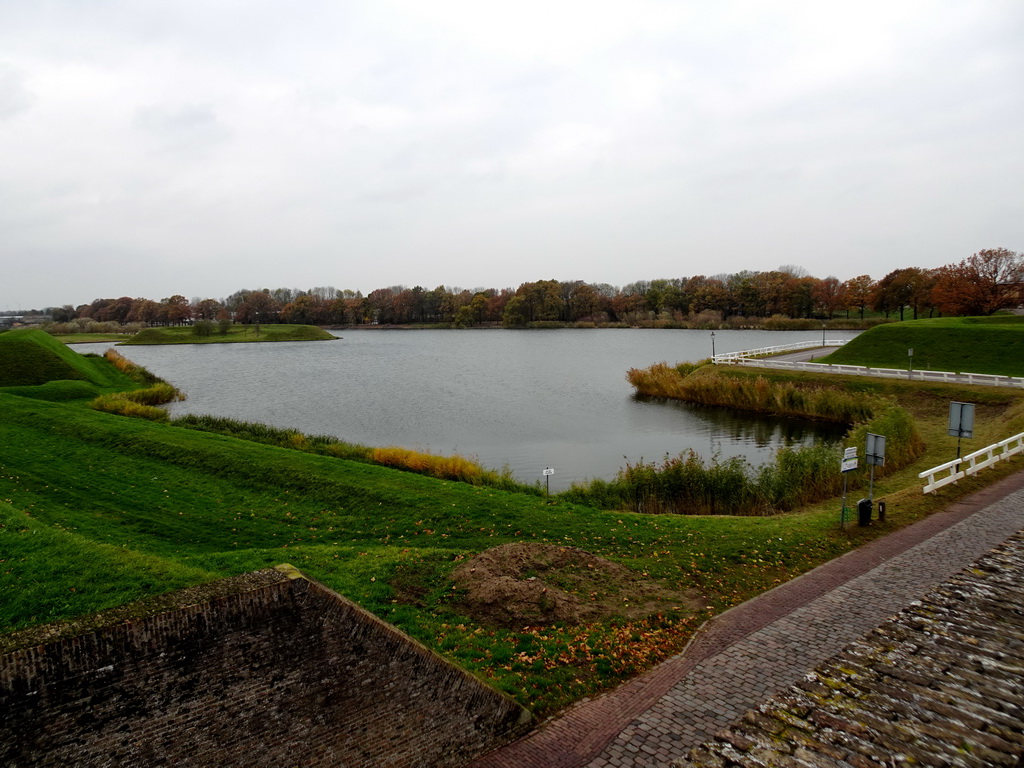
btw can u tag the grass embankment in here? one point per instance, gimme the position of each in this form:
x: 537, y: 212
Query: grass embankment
x: 98, y: 510
x: 32, y: 357
x: 34, y: 364
x: 459, y: 468
x: 961, y: 344
x: 232, y: 334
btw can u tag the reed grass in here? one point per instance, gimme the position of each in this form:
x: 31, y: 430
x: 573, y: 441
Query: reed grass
x: 457, y: 468
x: 137, y: 403
x: 785, y: 398
x: 128, y: 368
x: 120, y: 405
x: 686, y: 484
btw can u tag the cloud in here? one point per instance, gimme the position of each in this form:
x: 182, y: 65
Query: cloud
x: 373, y: 143
x: 191, y: 129
x: 15, y: 97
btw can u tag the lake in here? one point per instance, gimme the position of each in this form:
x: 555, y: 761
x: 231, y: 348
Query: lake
x: 525, y: 399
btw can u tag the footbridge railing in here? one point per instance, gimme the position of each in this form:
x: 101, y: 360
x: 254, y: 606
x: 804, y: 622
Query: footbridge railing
x: 971, y: 463
x: 756, y: 358
x: 778, y: 349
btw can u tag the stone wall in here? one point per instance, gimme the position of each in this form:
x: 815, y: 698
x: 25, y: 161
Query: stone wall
x: 267, y: 669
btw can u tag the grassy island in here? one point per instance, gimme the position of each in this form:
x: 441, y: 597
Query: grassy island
x: 212, y: 334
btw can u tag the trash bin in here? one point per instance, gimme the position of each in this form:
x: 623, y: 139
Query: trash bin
x: 864, y: 512
x: 881, y: 511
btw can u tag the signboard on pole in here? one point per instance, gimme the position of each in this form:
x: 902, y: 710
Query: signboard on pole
x: 849, y: 453
x: 875, y: 452
x: 848, y: 465
x: 961, y: 419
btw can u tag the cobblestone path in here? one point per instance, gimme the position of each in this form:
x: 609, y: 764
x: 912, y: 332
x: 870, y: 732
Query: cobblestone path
x: 763, y: 646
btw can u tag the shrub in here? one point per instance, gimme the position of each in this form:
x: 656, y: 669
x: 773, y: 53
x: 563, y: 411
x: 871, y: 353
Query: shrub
x: 117, y: 403
x: 130, y: 369
x: 203, y: 328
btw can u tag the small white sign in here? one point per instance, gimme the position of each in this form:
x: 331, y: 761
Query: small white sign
x: 848, y: 465
x: 850, y: 453
x: 549, y: 471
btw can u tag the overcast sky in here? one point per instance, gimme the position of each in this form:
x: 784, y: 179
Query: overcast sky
x: 154, y: 147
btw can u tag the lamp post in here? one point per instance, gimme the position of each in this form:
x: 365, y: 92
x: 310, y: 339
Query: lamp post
x: 823, y: 334
x: 712, y: 346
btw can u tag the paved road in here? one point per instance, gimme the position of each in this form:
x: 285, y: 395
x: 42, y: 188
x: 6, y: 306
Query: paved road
x: 765, y: 645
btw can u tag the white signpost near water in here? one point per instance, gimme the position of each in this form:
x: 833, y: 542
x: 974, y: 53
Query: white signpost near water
x: 548, y: 472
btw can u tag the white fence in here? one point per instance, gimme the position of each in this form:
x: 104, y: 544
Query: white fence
x: 755, y: 358
x: 972, y: 462
x: 735, y: 357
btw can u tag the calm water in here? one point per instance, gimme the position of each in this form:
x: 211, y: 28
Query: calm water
x: 525, y: 399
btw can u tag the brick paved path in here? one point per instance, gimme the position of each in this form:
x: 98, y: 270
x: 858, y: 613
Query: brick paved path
x: 761, y: 647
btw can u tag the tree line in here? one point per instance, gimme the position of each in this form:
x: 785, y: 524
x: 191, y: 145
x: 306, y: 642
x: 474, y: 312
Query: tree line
x: 980, y: 284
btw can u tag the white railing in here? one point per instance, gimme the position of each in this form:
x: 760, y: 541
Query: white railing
x: 735, y: 357
x: 753, y: 358
x: 972, y: 462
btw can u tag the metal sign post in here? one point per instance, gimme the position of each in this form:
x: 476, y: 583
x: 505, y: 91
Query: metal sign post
x: 547, y: 479
x: 910, y: 363
x: 961, y: 423
x: 848, y: 464
x: 874, y: 455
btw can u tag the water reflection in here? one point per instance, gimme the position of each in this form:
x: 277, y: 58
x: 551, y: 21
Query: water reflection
x: 730, y: 433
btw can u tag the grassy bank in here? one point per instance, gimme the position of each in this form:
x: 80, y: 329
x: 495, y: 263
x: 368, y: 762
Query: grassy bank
x: 458, y: 468
x: 962, y: 344
x: 32, y: 357
x: 214, y: 334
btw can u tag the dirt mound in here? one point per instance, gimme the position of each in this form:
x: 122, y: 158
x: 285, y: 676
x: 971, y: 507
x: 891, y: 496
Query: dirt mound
x: 528, y: 584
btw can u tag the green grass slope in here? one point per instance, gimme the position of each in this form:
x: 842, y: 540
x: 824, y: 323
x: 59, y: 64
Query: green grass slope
x: 33, y: 357
x: 88, y: 499
x: 964, y: 344
x: 236, y: 333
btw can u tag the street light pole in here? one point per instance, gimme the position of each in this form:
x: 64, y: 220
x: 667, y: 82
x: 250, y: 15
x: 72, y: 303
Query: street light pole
x: 712, y: 346
x: 823, y: 334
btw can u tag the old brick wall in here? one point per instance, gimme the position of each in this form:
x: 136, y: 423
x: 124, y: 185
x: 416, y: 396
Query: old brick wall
x: 269, y: 669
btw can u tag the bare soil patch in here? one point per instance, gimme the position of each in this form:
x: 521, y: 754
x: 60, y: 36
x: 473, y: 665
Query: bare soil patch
x: 528, y: 584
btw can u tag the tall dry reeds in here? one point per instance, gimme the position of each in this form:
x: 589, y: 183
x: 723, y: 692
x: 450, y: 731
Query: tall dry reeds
x: 784, y: 398
x: 799, y: 475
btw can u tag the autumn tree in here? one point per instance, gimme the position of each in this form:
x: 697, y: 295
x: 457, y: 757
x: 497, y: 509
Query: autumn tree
x: 827, y: 296
x: 207, y: 309
x: 308, y: 309
x: 257, y: 307
x: 175, y: 309
x: 857, y: 293
x: 980, y: 284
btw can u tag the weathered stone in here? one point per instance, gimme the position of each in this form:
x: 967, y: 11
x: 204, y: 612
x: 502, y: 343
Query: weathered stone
x: 263, y: 670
